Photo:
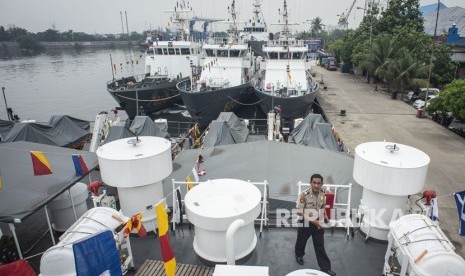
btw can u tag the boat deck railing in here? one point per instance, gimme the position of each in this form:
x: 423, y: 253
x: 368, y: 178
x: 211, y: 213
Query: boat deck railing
x: 283, y: 42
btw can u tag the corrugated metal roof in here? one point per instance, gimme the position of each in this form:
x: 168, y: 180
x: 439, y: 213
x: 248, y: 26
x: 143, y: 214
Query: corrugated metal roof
x: 431, y: 8
x: 447, y: 17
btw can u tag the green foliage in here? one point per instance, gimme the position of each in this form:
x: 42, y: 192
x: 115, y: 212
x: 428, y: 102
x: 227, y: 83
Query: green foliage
x: 316, y: 26
x: 444, y: 69
x: 401, y: 13
x: 451, y: 99
x: 30, y: 44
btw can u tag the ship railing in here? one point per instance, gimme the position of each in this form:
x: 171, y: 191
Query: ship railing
x: 257, y: 126
x: 340, y: 206
x: 290, y: 42
x: 185, y: 186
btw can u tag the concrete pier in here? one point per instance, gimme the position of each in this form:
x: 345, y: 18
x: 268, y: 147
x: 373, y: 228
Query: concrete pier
x: 372, y: 115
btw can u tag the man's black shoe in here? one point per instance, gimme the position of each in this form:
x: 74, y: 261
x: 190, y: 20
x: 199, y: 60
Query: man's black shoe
x: 299, y: 260
x: 329, y: 272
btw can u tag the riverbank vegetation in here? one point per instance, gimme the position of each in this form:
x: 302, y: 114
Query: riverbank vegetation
x: 31, y: 42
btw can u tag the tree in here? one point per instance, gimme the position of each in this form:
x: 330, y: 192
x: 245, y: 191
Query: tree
x: 401, y: 14
x: 451, y: 99
x: 444, y: 69
x: 378, y: 60
x: 316, y: 26
x: 407, y: 71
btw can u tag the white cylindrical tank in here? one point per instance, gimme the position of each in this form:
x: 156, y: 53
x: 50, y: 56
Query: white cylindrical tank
x: 212, y: 206
x: 411, y: 235
x: 61, y: 208
x: 388, y: 173
x: 307, y: 272
x: 58, y: 260
x: 137, y: 170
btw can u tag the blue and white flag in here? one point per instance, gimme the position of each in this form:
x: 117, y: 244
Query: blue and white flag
x: 460, y: 200
x: 434, y: 216
x: 97, y: 255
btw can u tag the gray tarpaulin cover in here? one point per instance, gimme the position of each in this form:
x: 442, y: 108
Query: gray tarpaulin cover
x: 141, y: 125
x: 23, y: 193
x: 314, y: 132
x: 5, y: 127
x: 75, y: 129
x: 304, y: 130
x: 40, y: 133
x: 65, y: 121
x: 144, y: 126
x: 283, y: 165
x: 227, y: 129
x: 61, y: 130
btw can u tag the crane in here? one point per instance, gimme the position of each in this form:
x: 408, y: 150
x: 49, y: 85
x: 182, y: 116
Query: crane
x: 343, y: 17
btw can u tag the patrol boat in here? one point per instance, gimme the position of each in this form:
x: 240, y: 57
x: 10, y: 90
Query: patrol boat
x: 166, y: 64
x: 223, y: 81
x: 283, y: 79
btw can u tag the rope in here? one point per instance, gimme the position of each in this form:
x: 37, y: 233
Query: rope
x: 158, y: 100
x: 245, y: 103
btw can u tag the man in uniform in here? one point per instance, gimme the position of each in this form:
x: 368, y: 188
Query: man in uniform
x: 311, y: 210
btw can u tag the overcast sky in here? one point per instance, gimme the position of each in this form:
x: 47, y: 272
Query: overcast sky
x: 103, y: 16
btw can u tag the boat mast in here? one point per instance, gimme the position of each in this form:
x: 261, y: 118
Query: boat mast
x: 285, y: 32
x: 257, y: 10
x: 233, y: 30
x: 180, y: 17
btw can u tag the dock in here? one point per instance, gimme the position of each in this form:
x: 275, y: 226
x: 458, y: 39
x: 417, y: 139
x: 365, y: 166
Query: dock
x: 371, y: 115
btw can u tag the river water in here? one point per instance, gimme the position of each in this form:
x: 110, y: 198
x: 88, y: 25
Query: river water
x: 71, y: 83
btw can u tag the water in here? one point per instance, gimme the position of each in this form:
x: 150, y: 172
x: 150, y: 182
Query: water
x: 72, y: 83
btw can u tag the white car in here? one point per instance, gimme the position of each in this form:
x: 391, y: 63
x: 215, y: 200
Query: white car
x: 418, y: 104
x: 420, y: 94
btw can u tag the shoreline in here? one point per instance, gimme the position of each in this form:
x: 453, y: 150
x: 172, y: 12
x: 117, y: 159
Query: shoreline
x: 12, y: 49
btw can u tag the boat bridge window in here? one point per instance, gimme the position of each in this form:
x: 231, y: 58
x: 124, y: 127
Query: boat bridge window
x: 170, y: 51
x: 177, y: 51
x: 209, y: 52
x: 273, y: 55
x: 284, y: 55
x: 222, y: 53
x: 159, y: 51
x: 165, y: 51
x: 235, y: 53
x: 297, y: 55
x: 185, y: 51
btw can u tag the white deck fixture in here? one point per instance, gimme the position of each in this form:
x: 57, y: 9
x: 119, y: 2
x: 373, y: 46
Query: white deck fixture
x: 58, y: 260
x: 234, y: 270
x: 137, y: 170
x: 212, y: 207
x: 388, y: 172
x: 307, y: 272
x: 421, y: 249
x: 61, y: 210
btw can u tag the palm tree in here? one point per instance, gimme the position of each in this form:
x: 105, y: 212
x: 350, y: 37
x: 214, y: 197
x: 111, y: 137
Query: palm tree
x: 316, y: 25
x: 377, y: 61
x: 407, y: 71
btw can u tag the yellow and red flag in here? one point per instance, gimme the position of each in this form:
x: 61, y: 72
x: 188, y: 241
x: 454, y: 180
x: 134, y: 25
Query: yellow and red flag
x: 40, y: 163
x: 169, y: 262
x: 189, y: 182
x: 135, y: 223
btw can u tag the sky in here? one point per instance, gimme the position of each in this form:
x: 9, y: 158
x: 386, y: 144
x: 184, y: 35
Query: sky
x: 103, y: 16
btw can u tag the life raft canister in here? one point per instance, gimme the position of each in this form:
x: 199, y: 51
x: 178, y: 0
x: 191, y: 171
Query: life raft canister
x: 329, y: 203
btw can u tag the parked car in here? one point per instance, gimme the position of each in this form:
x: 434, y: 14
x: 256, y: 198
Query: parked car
x: 421, y: 103
x: 332, y: 64
x: 412, y: 96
